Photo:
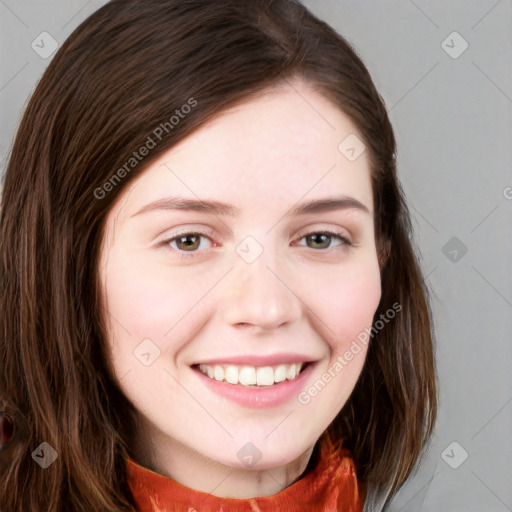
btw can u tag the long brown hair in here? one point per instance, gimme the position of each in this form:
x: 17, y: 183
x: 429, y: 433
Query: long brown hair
x: 120, y: 76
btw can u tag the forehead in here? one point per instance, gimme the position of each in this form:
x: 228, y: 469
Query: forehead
x: 279, y: 147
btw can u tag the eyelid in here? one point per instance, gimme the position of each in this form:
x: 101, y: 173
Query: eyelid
x: 207, y: 232
x: 343, y: 245
x: 335, y: 231
x: 344, y: 238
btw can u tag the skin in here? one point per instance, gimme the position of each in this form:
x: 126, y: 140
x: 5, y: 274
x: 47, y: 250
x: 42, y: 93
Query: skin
x: 301, y: 295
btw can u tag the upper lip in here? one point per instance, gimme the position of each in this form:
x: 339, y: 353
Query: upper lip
x: 259, y: 360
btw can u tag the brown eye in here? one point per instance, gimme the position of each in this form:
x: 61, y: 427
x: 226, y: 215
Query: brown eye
x: 188, y: 242
x: 323, y: 239
x: 319, y: 240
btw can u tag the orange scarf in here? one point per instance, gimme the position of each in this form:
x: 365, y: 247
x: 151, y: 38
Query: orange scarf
x: 329, y: 484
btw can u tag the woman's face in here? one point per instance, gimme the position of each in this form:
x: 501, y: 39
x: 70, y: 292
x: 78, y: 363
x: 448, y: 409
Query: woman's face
x: 246, y: 286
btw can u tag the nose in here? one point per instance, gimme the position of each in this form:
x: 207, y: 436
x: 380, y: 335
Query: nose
x: 261, y: 294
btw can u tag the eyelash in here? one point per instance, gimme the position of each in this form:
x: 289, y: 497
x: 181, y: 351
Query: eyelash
x: 345, y: 242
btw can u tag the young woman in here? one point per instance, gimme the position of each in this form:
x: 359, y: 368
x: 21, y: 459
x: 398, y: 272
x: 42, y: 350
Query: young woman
x: 209, y: 296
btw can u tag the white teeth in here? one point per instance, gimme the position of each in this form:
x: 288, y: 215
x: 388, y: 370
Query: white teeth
x: 265, y: 376
x: 247, y: 376
x: 250, y: 375
x: 280, y: 373
x: 290, y: 372
x: 218, y: 373
x: 207, y: 370
x: 231, y: 374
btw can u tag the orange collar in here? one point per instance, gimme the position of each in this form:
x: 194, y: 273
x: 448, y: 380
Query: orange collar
x: 329, y: 484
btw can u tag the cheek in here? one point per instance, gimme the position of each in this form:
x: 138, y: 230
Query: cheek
x: 135, y: 298
x: 144, y: 303
x: 348, y: 302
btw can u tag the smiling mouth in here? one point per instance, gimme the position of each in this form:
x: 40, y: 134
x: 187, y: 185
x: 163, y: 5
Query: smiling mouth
x: 252, y: 376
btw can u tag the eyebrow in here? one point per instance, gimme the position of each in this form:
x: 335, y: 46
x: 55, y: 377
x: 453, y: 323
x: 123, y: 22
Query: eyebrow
x: 219, y: 208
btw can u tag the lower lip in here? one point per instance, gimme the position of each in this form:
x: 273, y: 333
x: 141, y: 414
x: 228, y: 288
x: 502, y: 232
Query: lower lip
x: 268, y: 396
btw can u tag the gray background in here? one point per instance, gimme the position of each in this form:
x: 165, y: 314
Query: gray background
x: 451, y: 112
